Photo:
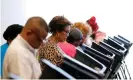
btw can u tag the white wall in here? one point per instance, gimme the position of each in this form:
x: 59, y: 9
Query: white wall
x: 113, y: 16
x: 0, y: 22
x: 13, y: 12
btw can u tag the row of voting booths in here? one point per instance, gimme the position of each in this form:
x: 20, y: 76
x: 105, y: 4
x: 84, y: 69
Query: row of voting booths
x: 100, y: 61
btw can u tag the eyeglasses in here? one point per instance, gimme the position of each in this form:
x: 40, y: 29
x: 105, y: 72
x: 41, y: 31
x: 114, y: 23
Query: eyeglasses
x: 67, y: 32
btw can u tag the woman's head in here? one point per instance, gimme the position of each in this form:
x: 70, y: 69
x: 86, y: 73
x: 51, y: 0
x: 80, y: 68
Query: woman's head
x: 60, y: 27
x: 12, y: 31
x: 83, y: 28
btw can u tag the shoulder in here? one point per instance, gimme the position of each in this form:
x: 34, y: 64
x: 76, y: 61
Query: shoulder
x: 72, y: 46
x: 4, y: 46
x: 47, y: 45
x: 16, y: 50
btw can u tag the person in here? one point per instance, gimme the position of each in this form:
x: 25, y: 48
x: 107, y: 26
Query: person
x: 85, y: 29
x: 20, y: 57
x: 73, y: 40
x: 97, y: 36
x: 10, y: 33
x: 59, y: 28
x: 93, y: 24
x: 75, y: 37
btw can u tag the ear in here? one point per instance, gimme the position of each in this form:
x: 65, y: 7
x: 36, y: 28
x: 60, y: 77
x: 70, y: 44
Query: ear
x: 29, y: 32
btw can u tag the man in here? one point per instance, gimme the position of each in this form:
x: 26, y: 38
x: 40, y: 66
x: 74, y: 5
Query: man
x: 10, y: 33
x: 75, y: 37
x: 20, y: 57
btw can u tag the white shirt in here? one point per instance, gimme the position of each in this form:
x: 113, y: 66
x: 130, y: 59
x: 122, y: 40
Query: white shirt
x: 89, y: 41
x: 20, y: 60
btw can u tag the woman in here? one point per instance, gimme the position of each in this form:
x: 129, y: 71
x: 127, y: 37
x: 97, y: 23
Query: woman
x: 85, y: 29
x: 59, y: 27
x: 97, y: 36
x: 9, y: 35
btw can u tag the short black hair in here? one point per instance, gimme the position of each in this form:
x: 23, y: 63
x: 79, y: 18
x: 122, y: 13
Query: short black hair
x: 74, y: 35
x: 58, y: 23
x: 12, y: 31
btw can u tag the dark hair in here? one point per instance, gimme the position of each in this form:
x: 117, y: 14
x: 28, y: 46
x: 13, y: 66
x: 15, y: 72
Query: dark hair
x: 70, y: 39
x: 58, y: 23
x: 74, y: 35
x: 82, y: 27
x: 12, y: 31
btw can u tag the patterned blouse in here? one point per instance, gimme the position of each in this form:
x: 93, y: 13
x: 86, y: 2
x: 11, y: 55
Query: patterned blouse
x: 50, y: 51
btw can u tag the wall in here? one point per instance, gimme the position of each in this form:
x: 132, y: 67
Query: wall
x: 12, y: 12
x: 114, y: 17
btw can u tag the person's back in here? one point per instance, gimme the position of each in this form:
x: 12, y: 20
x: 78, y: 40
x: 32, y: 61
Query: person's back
x: 68, y: 48
x: 3, y: 51
x: 20, y: 57
x: 14, y: 55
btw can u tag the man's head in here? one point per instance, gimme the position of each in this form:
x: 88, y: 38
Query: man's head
x: 11, y: 32
x: 75, y: 37
x: 35, y: 31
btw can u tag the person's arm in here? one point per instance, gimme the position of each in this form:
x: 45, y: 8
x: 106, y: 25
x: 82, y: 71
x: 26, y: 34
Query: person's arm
x: 100, y: 36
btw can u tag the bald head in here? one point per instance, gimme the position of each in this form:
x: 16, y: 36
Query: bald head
x: 36, y: 22
x: 35, y: 31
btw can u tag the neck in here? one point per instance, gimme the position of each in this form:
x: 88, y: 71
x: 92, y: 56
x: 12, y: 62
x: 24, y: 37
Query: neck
x: 9, y: 41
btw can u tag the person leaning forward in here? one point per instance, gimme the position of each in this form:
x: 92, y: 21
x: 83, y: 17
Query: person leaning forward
x: 20, y: 57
